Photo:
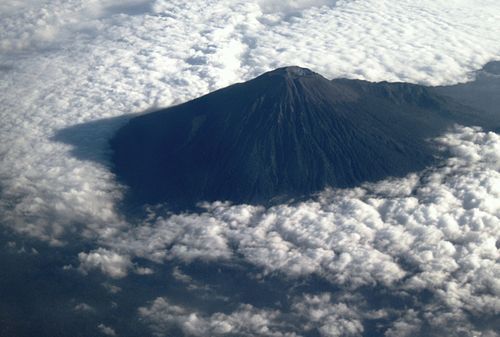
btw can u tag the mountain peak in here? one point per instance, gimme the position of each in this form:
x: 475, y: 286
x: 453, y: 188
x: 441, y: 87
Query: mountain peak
x: 292, y: 72
x: 271, y: 139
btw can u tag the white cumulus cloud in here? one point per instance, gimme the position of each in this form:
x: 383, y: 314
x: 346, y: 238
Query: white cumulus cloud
x: 71, y: 72
x: 108, y: 262
x: 245, y: 321
x: 69, y: 62
x: 436, y: 232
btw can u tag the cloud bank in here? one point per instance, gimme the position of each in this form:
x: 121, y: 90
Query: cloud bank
x: 433, y: 234
x: 77, y: 61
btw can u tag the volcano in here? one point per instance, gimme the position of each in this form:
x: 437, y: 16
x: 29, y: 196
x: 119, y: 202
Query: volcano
x: 285, y: 134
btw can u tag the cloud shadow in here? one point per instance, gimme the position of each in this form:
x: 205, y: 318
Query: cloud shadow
x: 133, y: 8
x: 90, y: 140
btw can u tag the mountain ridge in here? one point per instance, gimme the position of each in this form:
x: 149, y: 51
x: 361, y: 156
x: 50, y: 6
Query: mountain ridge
x: 287, y: 133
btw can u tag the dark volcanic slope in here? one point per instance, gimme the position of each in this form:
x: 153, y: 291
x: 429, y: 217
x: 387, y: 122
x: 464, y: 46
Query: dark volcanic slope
x: 286, y: 133
x: 481, y: 94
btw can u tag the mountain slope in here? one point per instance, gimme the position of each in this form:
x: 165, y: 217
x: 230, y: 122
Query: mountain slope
x: 284, y: 134
x: 482, y: 94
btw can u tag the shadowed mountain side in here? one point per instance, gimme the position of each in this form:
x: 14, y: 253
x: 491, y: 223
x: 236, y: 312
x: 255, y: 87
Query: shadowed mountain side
x: 285, y: 134
x: 482, y: 94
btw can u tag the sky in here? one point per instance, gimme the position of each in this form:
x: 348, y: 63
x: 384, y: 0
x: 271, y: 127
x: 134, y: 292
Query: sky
x: 411, y: 256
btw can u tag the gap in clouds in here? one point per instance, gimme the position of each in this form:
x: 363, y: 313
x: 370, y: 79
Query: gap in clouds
x: 212, y: 290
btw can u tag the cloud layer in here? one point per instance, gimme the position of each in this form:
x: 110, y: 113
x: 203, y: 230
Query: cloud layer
x: 435, y: 233
x: 77, y: 61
